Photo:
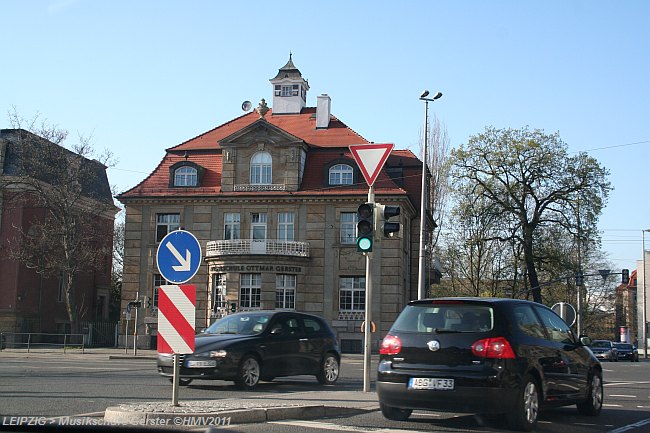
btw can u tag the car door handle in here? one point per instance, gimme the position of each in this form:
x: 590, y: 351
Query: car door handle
x: 304, y: 339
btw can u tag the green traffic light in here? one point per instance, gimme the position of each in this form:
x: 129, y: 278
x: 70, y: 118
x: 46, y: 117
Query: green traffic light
x: 364, y: 245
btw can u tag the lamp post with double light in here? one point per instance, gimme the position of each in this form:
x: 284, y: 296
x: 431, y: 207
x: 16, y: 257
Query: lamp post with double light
x: 421, y: 269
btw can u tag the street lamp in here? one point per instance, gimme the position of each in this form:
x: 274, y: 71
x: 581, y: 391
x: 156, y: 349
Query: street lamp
x: 423, y: 97
x: 645, y: 326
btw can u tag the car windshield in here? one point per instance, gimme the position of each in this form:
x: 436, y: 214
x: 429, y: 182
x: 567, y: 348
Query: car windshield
x: 439, y: 318
x: 601, y: 344
x: 240, y: 324
x: 625, y: 346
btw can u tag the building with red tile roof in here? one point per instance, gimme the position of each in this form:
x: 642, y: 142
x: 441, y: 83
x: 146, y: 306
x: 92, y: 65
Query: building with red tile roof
x: 272, y: 197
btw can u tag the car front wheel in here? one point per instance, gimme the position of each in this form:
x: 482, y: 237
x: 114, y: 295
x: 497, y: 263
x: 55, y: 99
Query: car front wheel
x: 524, y: 414
x: 329, y: 370
x: 594, y: 401
x: 393, y: 413
x: 248, y: 375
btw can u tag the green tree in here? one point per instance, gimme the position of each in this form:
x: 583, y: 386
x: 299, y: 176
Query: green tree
x: 533, y: 186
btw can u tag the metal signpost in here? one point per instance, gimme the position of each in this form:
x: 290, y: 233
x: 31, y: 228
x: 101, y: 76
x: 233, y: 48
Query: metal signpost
x: 178, y: 259
x: 370, y: 158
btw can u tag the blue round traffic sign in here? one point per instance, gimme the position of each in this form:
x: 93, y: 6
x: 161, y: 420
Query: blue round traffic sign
x: 179, y: 256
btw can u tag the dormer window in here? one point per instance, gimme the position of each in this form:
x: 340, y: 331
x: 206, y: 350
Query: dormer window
x: 341, y: 174
x: 185, y: 174
x: 261, y: 168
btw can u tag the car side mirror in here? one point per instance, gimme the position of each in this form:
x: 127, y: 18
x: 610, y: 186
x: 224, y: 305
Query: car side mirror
x: 585, y: 341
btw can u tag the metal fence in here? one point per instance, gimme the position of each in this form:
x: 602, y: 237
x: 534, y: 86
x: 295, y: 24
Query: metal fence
x: 100, y: 334
x: 40, y: 340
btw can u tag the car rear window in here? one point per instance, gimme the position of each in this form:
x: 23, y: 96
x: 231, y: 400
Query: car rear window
x: 457, y: 317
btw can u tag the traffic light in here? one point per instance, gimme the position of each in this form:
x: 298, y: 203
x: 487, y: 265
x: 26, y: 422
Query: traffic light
x: 580, y: 279
x: 233, y: 307
x: 385, y: 213
x: 625, y: 276
x: 365, y: 227
x: 147, y: 301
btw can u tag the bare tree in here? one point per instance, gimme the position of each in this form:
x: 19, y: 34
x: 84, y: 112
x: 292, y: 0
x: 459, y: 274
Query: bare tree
x: 70, y: 232
x: 438, y: 166
x: 532, y: 183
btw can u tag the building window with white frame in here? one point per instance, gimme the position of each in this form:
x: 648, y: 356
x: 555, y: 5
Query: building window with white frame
x: 285, y: 292
x: 258, y: 226
x: 348, y: 228
x: 261, y: 169
x: 218, y: 292
x: 285, y: 226
x: 231, y: 221
x: 186, y: 176
x: 352, y: 293
x: 341, y: 174
x: 166, y: 223
x: 250, y: 291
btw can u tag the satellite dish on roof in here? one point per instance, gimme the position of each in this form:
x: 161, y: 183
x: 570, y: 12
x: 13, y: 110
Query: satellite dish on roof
x: 246, y: 105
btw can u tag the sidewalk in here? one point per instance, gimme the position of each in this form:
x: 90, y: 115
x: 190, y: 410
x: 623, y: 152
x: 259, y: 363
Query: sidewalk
x: 93, y: 352
x: 298, y: 405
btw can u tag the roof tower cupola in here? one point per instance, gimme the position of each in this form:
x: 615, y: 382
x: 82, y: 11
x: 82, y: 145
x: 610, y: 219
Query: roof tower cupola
x: 289, y: 90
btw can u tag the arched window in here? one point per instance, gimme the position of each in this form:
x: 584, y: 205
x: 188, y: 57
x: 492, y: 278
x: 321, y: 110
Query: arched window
x: 261, y: 168
x: 185, y: 176
x: 341, y: 174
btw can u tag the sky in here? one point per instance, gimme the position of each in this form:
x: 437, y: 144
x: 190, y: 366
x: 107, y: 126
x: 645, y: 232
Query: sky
x: 139, y: 77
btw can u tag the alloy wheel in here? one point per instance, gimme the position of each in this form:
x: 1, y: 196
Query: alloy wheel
x: 531, y: 402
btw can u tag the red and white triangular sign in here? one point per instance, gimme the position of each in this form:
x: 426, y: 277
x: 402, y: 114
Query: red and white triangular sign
x: 371, y: 158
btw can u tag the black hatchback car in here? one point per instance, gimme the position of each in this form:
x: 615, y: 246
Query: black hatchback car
x: 251, y: 346
x: 626, y: 351
x: 487, y: 356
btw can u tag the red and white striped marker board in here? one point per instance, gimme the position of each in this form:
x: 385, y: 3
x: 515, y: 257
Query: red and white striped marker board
x: 176, y: 316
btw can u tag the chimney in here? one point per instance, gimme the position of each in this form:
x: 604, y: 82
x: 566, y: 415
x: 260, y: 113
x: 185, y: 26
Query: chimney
x: 323, y: 106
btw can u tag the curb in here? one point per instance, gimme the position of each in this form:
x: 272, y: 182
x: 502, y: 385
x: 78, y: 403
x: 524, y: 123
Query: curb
x: 119, y: 415
x: 147, y: 357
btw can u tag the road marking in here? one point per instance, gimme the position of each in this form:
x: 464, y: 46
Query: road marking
x: 337, y: 427
x: 612, y: 405
x: 631, y: 426
x: 625, y: 383
x: 621, y: 395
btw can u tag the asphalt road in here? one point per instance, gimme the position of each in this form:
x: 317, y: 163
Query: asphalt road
x: 54, y: 385
x: 57, y: 386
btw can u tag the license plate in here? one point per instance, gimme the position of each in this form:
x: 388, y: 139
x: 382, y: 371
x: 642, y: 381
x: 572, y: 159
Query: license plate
x: 201, y: 364
x: 431, y: 383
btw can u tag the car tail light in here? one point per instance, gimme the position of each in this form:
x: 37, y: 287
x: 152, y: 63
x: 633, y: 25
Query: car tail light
x: 497, y: 347
x: 390, y: 345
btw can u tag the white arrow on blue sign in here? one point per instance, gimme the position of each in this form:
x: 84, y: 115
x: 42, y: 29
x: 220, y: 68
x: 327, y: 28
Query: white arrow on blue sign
x: 179, y: 256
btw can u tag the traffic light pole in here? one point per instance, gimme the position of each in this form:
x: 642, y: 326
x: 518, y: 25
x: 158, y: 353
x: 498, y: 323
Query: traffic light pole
x: 367, y: 346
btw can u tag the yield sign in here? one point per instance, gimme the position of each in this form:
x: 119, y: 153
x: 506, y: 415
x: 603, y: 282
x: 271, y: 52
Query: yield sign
x: 176, y: 313
x: 371, y: 158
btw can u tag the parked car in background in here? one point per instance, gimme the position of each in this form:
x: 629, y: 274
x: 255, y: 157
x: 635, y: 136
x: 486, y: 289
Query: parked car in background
x: 627, y: 351
x: 260, y: 345
x: 604, y: 349
x: 487, y: 356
